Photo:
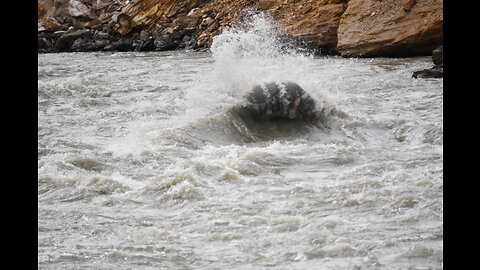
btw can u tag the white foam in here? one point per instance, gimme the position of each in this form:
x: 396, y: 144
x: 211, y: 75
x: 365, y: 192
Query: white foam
x: 246, y: 55
x: 252, y: 53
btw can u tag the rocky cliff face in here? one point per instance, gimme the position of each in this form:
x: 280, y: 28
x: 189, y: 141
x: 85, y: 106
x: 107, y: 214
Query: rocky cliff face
x: 390, y: 27
x: 349, y: 28
x: 315, y: 23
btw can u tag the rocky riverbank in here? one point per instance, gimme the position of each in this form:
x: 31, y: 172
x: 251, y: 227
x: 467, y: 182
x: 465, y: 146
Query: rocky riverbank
x: 360, y: 28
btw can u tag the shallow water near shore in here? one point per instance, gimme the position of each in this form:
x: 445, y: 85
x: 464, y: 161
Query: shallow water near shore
x: 143, y: 165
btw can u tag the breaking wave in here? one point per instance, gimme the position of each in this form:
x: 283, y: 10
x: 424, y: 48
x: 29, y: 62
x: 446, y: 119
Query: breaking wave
x: 252, y: 54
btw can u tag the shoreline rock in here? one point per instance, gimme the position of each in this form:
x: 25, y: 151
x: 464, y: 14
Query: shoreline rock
x: 373, y: 28
x: 354, y: 28
x: 437, y: 70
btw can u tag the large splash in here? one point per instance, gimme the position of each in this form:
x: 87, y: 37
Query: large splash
x: 254, y: 52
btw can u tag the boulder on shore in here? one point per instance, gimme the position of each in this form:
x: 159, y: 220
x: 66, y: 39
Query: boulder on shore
x: 437, y: 70
x: 65, y: 41
x: 124, y: 44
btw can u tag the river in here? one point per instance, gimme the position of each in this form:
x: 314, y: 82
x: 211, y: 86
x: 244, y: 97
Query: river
x: 142, y: 165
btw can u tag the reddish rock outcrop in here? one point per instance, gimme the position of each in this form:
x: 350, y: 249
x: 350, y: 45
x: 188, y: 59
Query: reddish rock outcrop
x: 390, y: 28
x: 55, y: 15
x: 145, y: 13
x: 346, y: 27
x: 314, y: 22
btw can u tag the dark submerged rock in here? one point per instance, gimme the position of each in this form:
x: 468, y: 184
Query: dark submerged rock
x: 435, y: 72
x: 286, y: 100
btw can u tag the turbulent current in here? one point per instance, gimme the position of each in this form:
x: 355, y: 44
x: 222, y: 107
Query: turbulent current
x: 144, y: 164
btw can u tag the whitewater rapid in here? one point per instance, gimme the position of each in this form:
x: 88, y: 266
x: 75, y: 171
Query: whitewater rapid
x: 143, y: 165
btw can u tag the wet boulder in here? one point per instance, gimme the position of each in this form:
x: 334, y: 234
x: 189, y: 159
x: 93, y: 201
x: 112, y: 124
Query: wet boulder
x: 285, y: 100
x: 124, y: 44
x: 44, y: 43
x: 437, y: 70
x: 437, y: 56
x: 429, y: 73
x: 88, y: 45
x: 165, y: 42
x: 66, y: 40
x: 145, y: 42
